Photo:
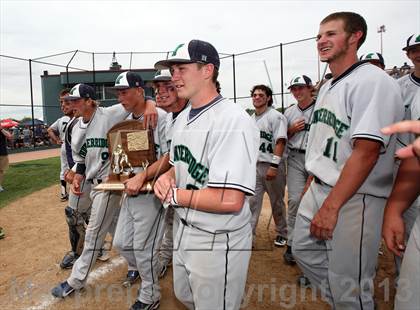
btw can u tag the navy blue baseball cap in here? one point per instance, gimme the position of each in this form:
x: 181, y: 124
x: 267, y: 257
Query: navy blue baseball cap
x: 196, y: 51
x: 81, y: 91
x: 128, y: 79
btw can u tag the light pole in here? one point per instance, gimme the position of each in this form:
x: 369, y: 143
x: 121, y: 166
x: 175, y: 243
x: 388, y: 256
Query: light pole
x: 381, y: 30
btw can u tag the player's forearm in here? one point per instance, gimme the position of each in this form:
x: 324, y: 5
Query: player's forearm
x: 354, y: 173
x: 158, y: 167
x: 52, y: 135
x: 406, y: 189
x: 279, y: 147
x: 217, y: 200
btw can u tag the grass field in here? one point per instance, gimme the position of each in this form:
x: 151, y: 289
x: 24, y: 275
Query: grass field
x: 27, y: 177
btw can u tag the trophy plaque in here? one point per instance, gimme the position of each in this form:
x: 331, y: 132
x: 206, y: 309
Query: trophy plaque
x: 130, y: 146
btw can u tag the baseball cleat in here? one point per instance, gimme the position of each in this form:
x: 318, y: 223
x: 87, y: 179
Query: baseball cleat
x: 68, y: 260
x: 288, y: 257
x: 138, y: 305
x: 64, y: 198
x: 62, y: 290
x: 280, y: 241
x: 132, y: 277
x: 303, y: 281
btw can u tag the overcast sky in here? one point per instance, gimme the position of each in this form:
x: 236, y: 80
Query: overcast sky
x: 32, y: 29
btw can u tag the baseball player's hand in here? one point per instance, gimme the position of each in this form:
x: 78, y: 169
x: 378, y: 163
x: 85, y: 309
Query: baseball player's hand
x: 134, y: 184
x: 393, y: 231
x: 324, y: 221
x: 271, y: 174
x: 163, y: 187
x: 75, y: 186
x: 406, y: 126
x: 69, y: 176
x: 150, y: 114
x: 297, y: 126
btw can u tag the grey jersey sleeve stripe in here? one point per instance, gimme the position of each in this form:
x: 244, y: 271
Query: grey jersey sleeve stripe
x: 231, y: 186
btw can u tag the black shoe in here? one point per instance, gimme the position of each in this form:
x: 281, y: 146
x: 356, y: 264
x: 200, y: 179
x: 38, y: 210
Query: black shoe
x: 280, y: 241
x: 303, y: 281
x: 64, y: 197
x: 68, y: 260
x: 132, y: 277
x: 288, y: 257
x: 62, y: 290
x: 138, y: 305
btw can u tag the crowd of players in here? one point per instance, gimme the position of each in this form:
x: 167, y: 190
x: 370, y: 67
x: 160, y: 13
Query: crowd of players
x: 214, y: 164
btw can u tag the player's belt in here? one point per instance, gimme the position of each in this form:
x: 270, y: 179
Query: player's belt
x: 318, y: 181
x: 184, y: 222
x: 95, y: 181
x: 297, y: 150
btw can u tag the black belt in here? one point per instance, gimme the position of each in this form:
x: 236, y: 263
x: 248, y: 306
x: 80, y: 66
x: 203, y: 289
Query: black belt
x: 297, y: 150
x: 95, y: 181
x: 318, y: 181
x: 183, y: 221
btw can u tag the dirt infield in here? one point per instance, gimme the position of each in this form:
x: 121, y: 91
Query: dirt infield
x: 24, y: 156
x: 36, y: 239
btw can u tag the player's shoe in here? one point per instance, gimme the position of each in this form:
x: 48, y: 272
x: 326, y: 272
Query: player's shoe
x: 303, y: 281
x: 62, y: 290
x: 132, y: 277
x: 69, y: 260
x: 103, y: 255
x: 138, y: 305
x: 64, y: 197
x: 1, y: 233
x: 280, y: 241
x: 288, y: 257
x: 1, y: 189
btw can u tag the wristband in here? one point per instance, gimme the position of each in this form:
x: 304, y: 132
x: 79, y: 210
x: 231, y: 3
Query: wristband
x: 276, y: 160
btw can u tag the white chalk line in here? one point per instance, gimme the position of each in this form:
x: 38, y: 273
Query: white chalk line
x: 47, y: 301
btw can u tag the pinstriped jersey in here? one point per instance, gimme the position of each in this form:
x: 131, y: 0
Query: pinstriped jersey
x: 216, y: 148
x: 97, y: 155
x: 170, y: 122
x: 415, y: 107
x: 410, y: 88
x: 159, y: 133
x: 294, y: 113
x: 272, y: 126
x: 355, y: 105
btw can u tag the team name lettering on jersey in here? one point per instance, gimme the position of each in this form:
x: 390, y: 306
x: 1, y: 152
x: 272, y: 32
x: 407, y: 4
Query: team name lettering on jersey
x: 96, y: 142
x: 327, y: 117
x: 267, y: 136
x: 83, y: 150
x: 197, y: 171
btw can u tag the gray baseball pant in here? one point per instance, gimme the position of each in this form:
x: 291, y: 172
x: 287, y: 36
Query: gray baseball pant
x: 296, y: 180
x: 166, y: 248
x: 105, y: 206
x: 210, y: 270
x: 407, y: 296
x: 275, y: 191
x: 342, y: 268
x: 137, y: 238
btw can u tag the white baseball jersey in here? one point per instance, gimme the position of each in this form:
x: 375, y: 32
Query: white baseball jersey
x: 415, y: 107
x: 272, y: 126
x: 294, y: 113
x: 410, y: 88
x: 59, y: 126
x: 170, y: 122
x: 97, y: 155
x: 356, y: 105
x: 78, y: 144
x: 159, y: 133
x: 217, y: 148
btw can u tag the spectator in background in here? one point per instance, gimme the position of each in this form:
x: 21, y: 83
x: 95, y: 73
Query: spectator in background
x: 26, y: 136
x: 405, y: 69
x: 395, y: 73
x: 4, y: 159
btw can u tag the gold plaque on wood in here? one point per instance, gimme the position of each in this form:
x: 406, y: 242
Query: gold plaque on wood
x: 129, y: 146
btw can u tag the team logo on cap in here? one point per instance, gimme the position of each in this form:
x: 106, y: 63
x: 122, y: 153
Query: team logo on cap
x: 119, y: 78
x: 370, y: 56
x: 296, y: 80
x: 73, y: 90
x: 176, y: 49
